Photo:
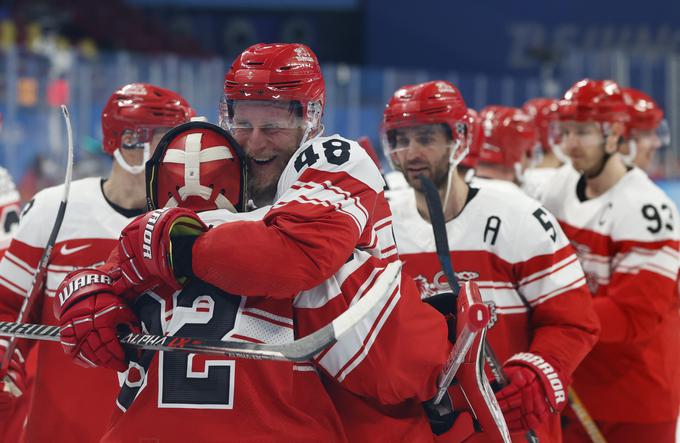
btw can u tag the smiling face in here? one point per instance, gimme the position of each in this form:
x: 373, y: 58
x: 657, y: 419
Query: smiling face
x: 422, y: 150
x: 269, y: 133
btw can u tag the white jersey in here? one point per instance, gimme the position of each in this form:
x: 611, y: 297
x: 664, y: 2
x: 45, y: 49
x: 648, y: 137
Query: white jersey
x: 627, y: 240
x: 535, y: 179
x: 516, y: 252
x: 9, y: 209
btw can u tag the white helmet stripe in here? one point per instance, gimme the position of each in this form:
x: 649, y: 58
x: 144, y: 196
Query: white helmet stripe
x: 192, y: 164
x: 206, y: 155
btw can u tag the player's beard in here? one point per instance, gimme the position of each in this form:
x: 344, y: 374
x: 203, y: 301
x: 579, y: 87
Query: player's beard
x: 438, y: 173
x: 263, y: 179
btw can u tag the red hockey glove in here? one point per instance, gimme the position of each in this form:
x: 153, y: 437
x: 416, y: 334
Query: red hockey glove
x: 535, y: 391
x: 146, y: 246
x: 13, y: 384
x: 89, y: 315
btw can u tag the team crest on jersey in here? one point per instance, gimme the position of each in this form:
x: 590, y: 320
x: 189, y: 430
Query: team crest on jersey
x: 439, y: 284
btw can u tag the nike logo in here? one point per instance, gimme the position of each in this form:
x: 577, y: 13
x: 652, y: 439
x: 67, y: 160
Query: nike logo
x: 69, y: 251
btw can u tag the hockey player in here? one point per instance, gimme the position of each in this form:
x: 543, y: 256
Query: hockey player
x: 504, y: 241
x: 69, y: 404
x: 647, y: 129
x: 328, y: 201
x: 625, y: 232
x: 543, y: 112
x: 508, y: 141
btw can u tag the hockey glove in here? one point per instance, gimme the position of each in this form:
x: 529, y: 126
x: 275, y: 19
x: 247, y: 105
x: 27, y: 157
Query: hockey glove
x: 535, y: 391
x: 12, y: 384
x: 90, y: 316
x: 146, y: 247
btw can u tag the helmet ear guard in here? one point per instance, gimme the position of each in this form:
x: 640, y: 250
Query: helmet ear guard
x: 199, y: 166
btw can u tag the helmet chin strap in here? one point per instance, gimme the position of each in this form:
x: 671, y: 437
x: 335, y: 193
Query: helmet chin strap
x: 454, y: 160
x: 519, y: 172
x: 629, y: 159
x: 133, y: 169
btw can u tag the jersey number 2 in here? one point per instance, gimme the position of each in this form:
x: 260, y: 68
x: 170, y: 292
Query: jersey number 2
x: 193, y: 380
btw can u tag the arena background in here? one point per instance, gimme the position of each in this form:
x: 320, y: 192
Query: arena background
x: 497, y: 52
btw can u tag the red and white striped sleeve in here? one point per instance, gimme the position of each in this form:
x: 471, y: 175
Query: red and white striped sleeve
x: 551, y: 280
x: 642, y: 289
x: 324, y: 210
x: 395, y: 353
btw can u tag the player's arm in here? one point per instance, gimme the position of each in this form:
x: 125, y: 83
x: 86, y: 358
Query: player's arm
x: 563, y: 323
x: 18, y: 265
x: 551, y: 279
x: 395, y: 353
x: 643, y: 288
x: 331, y: 187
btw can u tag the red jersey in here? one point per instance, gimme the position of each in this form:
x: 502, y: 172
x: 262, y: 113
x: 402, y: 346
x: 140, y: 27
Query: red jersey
x: 179, y: 397
x: 330, y: 203
x: 523, y: 263
x: 69, y: 403
x: 627, y: 242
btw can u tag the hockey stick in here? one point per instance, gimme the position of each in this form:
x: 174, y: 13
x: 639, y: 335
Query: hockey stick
x: 40, y: 275
x: 584, y: 417
x: 299, y: 350
x: 434, y: 208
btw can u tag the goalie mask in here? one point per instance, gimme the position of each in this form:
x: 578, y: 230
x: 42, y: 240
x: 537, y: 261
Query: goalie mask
x: 198, y: 166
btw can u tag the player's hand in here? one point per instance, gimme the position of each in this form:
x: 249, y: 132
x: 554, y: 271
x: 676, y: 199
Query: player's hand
x: 12, y: 385
x: 90, y: 316
x: 535, y: 391
x: 146, y: 246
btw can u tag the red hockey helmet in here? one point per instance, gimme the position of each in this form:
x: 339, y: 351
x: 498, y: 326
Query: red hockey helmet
x: 644, y: 112
x: 509, y: 134
x: 139, y: 108
x: 476, y: 139
x: 600, y: 101
x: 433, y: 102
x: 286, y: 72
x: 198, y: 166
x: 543, y: 111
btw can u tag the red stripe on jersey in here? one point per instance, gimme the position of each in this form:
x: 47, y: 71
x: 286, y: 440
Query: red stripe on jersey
x: 542, y: 263
x: 11, y: 258
x: 576, y: 283
x: 267, y: 319
x: 382, y: 225
x: 627, y: 245
x: 371, y: 332
x: 386, y: 250
x: 541, y: 275
x: 243, y: 337
x: 11, y: 286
